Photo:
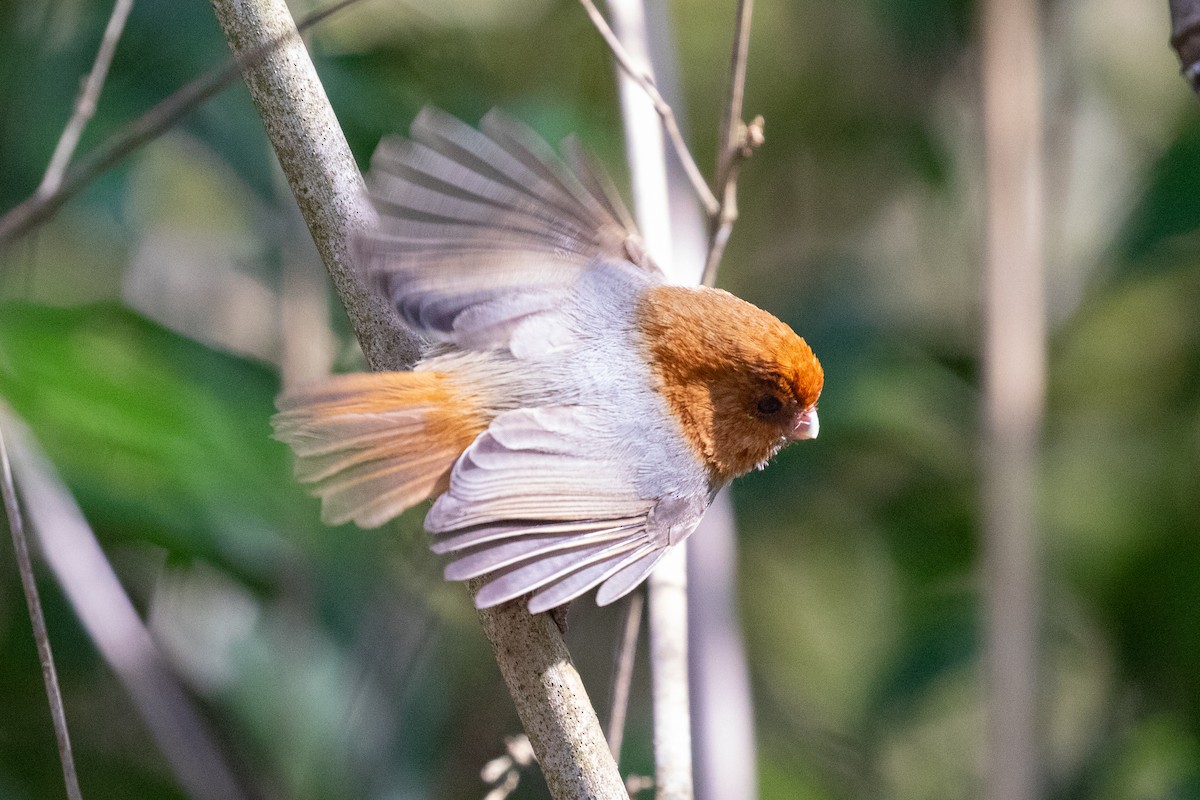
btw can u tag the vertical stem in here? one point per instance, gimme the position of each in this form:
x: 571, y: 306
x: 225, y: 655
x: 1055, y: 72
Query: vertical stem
x: 644, y: 143
x: 730, y: 149
x: 1014, y: 379
x: 669, y: 672
x: 722, y: 705
x: 731, y: 118
x: 668, y: 582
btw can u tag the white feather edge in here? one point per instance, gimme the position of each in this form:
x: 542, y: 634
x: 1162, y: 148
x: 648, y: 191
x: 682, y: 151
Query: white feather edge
x: 533, y: 575
x: 532, y: 505
x: 500, y: 555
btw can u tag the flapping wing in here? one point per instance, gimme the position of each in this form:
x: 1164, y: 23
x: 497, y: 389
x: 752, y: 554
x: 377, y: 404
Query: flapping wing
x: 538, y: 503
x: 481, y: 230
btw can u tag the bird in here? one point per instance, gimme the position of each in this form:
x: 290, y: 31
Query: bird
x: 574, y: 413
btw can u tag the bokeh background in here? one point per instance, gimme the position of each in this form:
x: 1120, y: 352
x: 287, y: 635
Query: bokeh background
x: 144, y: 332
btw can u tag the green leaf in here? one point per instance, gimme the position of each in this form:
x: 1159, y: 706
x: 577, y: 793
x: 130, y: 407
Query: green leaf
x: 158, y: 436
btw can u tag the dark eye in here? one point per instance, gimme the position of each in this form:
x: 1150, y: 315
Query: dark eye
x: 769, y: 404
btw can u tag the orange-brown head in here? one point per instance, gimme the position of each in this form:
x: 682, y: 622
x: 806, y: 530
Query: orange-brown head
x: 741, y: 383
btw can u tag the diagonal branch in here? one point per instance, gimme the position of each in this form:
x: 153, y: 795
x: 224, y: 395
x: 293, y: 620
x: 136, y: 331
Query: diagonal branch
x: 739, y: 139
x: 312, y: 150
x: 34, y: 601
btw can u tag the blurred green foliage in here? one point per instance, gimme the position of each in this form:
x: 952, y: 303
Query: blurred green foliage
x: 143, y: 330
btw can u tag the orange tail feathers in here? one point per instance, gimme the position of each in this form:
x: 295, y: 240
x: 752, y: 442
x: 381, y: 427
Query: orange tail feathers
x: 374, y: 445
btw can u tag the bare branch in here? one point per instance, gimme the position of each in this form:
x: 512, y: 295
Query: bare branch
x: 85, y: 105
x: 551, y: 702
x: 318, y: 165
x: 106, y: 613
x: 739, y: 140
x: 626, y: 656
x: 38, y: 620
x: 750, y: 138
x: 37, y: 209
x: 547, y: 690
x: 646, y: 81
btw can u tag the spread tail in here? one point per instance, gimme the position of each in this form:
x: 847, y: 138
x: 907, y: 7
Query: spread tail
x: 376, y: 444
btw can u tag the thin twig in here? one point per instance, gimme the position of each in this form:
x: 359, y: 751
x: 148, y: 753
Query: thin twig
x: 739, y: 141
x: 731, y: 121
x: 86, y: 578
x: 711, y: 206
x: 37, y: 209
x: 623, y: 673
x: 38, y: 620
x: 85, y: 105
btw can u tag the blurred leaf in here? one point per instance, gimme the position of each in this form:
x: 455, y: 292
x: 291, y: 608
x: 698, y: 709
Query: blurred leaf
x: 1170, y: 204
x: 928, y: 26
x: 159, y: 437
x: 940, y: 642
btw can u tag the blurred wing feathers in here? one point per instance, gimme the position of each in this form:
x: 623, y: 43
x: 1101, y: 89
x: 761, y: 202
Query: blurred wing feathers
x: 480, y: 230
x: 599, y: 185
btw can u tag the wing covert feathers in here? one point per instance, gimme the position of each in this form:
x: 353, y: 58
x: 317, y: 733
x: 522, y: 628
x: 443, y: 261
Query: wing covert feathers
x: 376, y: 444
x: 534, y: 505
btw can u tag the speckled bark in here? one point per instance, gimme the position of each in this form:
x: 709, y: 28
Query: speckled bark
x: 552, y: 703
x: 549, y: 695
x: 317, y: 162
